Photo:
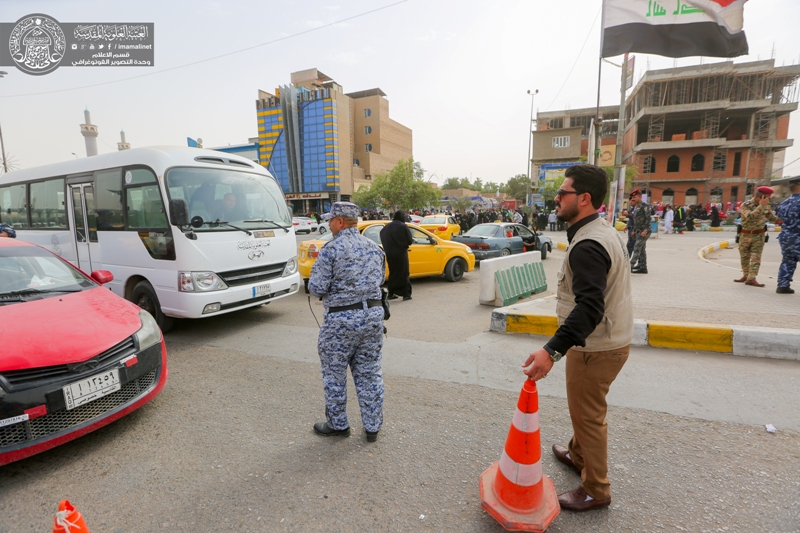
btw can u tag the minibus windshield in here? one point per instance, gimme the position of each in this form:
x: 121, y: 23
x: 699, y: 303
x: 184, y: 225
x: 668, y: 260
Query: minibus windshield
x: 242, y: 199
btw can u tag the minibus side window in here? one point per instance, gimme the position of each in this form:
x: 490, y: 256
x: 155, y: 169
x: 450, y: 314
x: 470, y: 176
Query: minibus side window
x: 108, y: 200
x: 13, y: 206
x: 47, y: 205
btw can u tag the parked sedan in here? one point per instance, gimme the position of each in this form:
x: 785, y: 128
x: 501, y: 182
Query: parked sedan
x: 301, y: 224
x: 324, y: 227
x: 500, y: 239
x: 428, y: 256
x: 74, y: 356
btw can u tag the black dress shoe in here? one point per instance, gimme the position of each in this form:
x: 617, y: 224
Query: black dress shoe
x: 392, y: 297
x: 406, y: 298
x: 784, y: 290
x: 372, y: 436
x: 639, y: 271
x: 322, y: 428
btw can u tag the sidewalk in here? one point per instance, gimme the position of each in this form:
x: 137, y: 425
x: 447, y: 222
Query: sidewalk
x: 681, y: 287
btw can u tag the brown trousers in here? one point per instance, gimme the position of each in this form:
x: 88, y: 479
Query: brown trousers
x: 589, y: 376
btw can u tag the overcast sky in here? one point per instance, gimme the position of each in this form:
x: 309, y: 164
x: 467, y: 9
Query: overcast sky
x: 455, y: 71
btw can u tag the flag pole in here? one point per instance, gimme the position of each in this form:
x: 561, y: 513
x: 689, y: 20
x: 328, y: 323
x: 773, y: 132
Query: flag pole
x: 591, y: 156
x: 619, y: 170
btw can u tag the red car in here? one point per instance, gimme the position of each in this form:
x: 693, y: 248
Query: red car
x: 74, y: 357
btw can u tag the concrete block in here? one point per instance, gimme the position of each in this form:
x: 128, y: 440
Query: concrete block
x: 774, y: 343
x: 487, y: 295
x: 687, y: 336
x: 639, y: 332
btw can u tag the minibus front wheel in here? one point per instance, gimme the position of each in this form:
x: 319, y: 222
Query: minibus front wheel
x: 145, y: 297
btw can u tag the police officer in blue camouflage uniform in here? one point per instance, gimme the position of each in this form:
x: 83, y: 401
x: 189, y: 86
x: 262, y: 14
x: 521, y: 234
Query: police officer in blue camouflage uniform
x: 348, y: 275
x: 7, y: 231
x: 789, y: 237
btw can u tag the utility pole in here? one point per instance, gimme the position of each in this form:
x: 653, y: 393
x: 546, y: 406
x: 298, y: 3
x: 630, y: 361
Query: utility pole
x: 2, y: 143
x: 530, y: 147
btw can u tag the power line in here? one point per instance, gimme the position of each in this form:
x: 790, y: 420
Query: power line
x: 576, y: 59
x: 787, y: 164
x: 285, y: 38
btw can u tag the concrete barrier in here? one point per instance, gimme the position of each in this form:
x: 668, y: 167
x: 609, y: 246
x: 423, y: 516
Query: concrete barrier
x: 701, y: 253
x: 489, y: 294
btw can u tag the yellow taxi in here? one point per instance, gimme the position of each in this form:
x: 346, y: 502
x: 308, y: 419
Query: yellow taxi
x: 430, y: 255
x: 441, y: 225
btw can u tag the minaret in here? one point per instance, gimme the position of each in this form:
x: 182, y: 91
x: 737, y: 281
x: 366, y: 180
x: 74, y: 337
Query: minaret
x: 122, y: 145
x: 89, y: 132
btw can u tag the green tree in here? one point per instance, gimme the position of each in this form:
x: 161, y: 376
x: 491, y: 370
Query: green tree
x: 452, y: 183
x: 630, y: 175
x: 490, y: 187
x: 464, y: 183
x: 550, y: 190
x: 517, y: 187
x: 477, y: 185
x: 404, y: 187
x: 462, y: 204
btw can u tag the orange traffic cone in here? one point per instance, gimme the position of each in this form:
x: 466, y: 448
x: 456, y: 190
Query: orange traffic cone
x: 68, y: 519
x: 514, y: 490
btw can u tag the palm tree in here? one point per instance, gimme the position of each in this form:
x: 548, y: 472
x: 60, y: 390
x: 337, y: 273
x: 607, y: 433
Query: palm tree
x: 461, y: 204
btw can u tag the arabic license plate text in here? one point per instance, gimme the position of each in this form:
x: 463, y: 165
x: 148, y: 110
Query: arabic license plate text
x: 91, y: 388
x: 261, y: 290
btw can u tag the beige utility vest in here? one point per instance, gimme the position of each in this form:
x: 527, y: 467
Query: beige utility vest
x: 616, y: 328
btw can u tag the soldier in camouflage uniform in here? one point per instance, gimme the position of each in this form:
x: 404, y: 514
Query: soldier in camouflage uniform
x: 789, y: 237
x: 348, y: 275
x: 7, y: 231
x: 641, y: 229
x: 754, y: 215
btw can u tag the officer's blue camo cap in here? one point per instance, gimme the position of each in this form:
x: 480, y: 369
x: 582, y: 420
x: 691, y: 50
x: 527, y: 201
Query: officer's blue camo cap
x: 326, y: 216
x: 345, y: 210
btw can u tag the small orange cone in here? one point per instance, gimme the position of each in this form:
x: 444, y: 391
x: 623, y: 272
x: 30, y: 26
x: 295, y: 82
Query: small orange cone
x: 68, y: 519
x: 514, y: 490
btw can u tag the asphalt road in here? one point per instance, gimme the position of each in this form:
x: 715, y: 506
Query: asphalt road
x: 228, y: 445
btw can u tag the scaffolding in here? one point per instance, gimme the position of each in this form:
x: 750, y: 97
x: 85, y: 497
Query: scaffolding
x: 714, y: 82
x: 760, y: 86
x: 764, y: 126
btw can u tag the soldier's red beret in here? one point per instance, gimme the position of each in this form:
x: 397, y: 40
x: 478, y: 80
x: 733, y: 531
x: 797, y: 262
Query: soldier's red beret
x: 766, y: 190
x: 635, y: 192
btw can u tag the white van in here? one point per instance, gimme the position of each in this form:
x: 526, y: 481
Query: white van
x: 186, y: 232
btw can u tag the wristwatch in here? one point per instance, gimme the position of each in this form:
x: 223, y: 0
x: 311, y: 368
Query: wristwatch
x: 554, y: 355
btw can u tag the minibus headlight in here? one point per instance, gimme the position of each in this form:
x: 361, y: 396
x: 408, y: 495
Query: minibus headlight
x: 291, y: 267
x: 149, y: 334
x: 200, y: 282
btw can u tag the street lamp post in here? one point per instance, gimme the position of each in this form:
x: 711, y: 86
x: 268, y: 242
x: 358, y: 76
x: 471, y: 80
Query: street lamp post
x: 2, y: 143
x: 530, y: 145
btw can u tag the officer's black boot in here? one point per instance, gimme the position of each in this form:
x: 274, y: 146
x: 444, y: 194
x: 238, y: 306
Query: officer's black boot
x: 784, y: 290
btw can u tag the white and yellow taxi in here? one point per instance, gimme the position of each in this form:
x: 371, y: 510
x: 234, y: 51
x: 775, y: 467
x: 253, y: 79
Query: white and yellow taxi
x: 430, y: 255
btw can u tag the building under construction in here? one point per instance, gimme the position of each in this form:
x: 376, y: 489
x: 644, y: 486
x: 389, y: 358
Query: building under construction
x: 709, y: 133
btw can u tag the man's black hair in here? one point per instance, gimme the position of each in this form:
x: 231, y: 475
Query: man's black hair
x: 591, y: 179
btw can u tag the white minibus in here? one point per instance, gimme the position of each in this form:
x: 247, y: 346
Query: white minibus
x: 186, y: 232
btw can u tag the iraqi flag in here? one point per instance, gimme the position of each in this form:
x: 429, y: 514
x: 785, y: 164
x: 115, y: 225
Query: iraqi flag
x: 674, y: 28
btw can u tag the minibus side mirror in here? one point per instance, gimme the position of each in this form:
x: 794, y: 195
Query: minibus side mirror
x: 178, y: 212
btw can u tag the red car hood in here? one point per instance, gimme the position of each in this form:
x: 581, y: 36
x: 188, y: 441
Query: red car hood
x: 64, y: 329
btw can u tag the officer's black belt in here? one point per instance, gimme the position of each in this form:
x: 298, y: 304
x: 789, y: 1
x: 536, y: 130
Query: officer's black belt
x: 359, y: 305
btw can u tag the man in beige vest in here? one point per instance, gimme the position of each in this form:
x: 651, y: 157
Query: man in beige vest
x: 595, y: 319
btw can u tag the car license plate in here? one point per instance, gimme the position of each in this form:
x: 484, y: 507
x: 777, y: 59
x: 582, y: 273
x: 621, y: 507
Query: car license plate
x: 89, y: 389
x: 261, y: 290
